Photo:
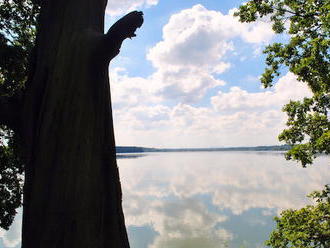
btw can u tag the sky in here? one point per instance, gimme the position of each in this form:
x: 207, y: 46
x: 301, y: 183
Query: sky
x: 191, y: 77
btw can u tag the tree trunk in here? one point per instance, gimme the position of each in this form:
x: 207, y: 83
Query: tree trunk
x: 72, y: 193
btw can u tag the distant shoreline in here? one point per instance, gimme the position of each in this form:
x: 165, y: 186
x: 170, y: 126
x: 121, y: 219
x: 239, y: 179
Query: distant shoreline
x: 137, y: 149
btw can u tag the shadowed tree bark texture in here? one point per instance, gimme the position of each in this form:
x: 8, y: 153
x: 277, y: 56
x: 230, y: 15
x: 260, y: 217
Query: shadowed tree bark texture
x: 72, y: 193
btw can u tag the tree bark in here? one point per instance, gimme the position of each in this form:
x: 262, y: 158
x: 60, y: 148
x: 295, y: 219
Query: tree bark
x: 72, y: 192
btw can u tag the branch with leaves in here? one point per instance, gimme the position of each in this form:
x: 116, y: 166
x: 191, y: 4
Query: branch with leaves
x: 308, y: 227
x: 307, y: 55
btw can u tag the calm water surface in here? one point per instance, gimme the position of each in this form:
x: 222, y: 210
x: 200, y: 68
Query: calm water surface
x: 212, y: 199
x: 206, y: 199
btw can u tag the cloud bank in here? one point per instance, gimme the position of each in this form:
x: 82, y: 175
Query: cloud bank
x: 233, y: 118
x: 182, y: 104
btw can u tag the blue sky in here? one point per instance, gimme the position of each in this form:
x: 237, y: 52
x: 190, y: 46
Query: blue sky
x: 191, y: 78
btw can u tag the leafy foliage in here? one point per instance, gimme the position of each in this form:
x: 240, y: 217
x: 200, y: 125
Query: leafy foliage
x: 308, y: 227
x: 11, y: 179
x: 18, y: 20
x: 17, y: 31
x: 307, y: 55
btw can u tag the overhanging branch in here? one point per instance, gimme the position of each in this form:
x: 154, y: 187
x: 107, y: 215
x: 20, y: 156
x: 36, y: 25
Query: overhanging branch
x: 122, y: 29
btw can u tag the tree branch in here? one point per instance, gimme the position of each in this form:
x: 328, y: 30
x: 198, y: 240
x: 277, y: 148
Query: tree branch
x: 294, y: 13
x: 122, y: 29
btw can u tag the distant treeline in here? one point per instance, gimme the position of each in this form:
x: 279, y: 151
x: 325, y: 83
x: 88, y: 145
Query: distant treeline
x: 137, y: 149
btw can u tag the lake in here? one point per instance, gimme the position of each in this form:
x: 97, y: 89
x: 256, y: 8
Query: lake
x: 206, y: 199
x: 212, y: 199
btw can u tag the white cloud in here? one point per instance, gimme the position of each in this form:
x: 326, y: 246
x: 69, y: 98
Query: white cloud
x: 131, y: 91
x: 187, y: 85
x: 199, y: 37
x: 235, y: 118
x: 162, y: 109
x: 286, y: 89
x: 116, y: 7
x: 194, y: 50
x: 187, y: 126
x: 190, y: 57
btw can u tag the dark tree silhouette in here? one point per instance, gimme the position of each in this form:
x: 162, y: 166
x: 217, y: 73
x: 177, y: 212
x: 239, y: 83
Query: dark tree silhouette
x: 72, y: 192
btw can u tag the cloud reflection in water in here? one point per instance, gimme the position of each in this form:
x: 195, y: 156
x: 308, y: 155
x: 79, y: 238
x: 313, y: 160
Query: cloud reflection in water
x: 206, y: 199
x: 194, y: 198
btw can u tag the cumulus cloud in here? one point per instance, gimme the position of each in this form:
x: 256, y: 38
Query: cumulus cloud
x: 286, y: 89
x: 190, y: 56
x: 234, y: 118
x: 116, y: 7
x: 194, y: 49
x: 187, y: 126
x: 164, y: 108
x: 199, y: 37
x: 187, y: 85
x: 131, y: 91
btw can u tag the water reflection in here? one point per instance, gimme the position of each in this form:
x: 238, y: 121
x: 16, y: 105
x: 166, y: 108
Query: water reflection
x: 212, y: 199
x: 206, y: 199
